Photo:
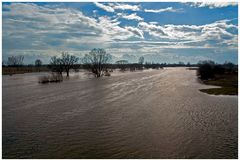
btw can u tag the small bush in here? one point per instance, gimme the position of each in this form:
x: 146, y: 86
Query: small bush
x: 56, y: 78
x: 51, y: 79
x: 107, y: 74
x: 44, y: 79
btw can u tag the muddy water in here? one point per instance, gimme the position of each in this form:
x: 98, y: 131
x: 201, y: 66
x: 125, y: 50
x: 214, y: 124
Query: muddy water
x: 150, y: 114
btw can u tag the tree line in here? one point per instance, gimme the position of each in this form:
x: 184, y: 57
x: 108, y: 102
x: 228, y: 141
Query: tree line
x: 209, y: 69
x: 99, y: 63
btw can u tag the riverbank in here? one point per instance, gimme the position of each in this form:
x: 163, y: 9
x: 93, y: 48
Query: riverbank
x: 228, y: 83
x: 22, y: 70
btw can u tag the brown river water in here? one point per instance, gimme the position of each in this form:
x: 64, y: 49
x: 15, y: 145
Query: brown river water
x: 148, y: 114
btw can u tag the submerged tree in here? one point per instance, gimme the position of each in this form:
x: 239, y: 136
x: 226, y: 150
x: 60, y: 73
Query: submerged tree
x: 68, y: 61
x: 56, y: 65
x: 65, y: 62
x: 97, y: 60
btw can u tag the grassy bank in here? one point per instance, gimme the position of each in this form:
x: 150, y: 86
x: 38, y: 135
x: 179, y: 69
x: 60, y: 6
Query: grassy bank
x: 228, y: 83
x: 223, y: 75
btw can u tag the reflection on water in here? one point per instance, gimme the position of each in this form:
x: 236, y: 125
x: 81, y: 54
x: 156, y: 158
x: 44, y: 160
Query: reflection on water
x: 150, y: 114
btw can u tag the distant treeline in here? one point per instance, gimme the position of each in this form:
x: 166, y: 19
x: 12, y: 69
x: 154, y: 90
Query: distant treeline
x: 114, y: 65
x: 209, y: 69
x: 99, y: 63
x: 222, y: 75
x: 9, y: 70
x: 206, y: 71
x: 20, y: 69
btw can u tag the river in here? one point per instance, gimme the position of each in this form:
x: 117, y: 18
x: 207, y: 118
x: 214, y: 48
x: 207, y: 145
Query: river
x: 148, y: 114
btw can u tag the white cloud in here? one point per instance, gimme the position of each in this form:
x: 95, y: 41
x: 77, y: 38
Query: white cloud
x: 153, y: 23
x: 212, y: 5
x: 216, y: 32
x: 133, y: 16
x: 122, y: 6
x: 112, y: 29
x: 49, y: 28
x: 136, y: 31
x: 27, y: 28
x: 154, y: 30
x: 104, y: 7
x: 168, y: 9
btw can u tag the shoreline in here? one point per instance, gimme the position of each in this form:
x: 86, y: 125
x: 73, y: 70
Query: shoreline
x: 226, y: 84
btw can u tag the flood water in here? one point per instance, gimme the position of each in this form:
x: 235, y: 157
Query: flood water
x: 149, y: 114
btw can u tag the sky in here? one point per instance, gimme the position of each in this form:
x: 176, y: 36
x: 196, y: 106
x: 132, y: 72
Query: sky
x: 160, y: 31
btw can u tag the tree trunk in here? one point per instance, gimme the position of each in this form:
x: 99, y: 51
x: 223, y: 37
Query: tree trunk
x: 67, y: 73
x: 98, y: 74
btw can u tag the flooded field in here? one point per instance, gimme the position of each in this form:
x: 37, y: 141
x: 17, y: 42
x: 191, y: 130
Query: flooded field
x: 149, y: 114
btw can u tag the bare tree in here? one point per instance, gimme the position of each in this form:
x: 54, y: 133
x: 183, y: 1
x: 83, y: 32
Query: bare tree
x: 56, y: 65
x: 97, y: 60
x: 140, y: 63
x: 38, y: 63
x: 15, y: 60
x: 68, y: 61
x: 141, y: 60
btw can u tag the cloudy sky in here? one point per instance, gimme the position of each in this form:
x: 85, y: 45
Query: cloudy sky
x: 160, y: 31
